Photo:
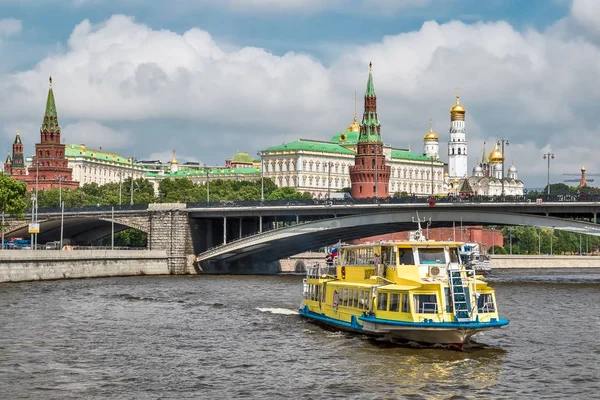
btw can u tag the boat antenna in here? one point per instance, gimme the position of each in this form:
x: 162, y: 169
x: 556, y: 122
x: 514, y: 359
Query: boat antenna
x: 419, y: 236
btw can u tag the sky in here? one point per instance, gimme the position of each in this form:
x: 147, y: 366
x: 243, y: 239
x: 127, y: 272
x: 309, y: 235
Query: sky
x: 211, y: 78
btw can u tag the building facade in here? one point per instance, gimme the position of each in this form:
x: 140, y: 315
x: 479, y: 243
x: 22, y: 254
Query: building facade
x: 323, y: 167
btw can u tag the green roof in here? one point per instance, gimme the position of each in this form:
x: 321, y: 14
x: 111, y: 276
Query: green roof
x: 212, y: 172
x: 243, y: 157
x: 311, y: 145
x: 408, y: 155
x: 76, y: 150
x: 351, y: 138
x: 370, y: 86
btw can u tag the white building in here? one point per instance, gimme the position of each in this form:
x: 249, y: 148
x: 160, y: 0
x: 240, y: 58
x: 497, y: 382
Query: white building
x: 457, y: 145
x: 322, y: 167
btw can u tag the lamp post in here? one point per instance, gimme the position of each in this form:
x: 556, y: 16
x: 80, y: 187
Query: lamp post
x: 131, y: 189
x: 35, y: 204
x: 60, y: 178
x: 120, y: 187
x: 493, y: 243
x: 549, y: 156
x: 207, y: 186
x: 551, y: 237
x: 2, y: 227
x: 510, y: 230
x: 262, y: 175
x: 580, y: 244
x: 376, y: 175
x: 503, y: 142
x: 62, y: 224
x: 329, y: 164
x: 432, y: 158
x: 112, y: 228
x: 539, y: 241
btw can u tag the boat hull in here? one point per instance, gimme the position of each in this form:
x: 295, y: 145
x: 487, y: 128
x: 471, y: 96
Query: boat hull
x: 453, y: 334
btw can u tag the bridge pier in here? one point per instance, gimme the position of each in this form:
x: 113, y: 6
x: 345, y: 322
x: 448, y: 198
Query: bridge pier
x: 170, y: 230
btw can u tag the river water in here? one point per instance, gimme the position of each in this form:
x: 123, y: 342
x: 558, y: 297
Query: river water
x: 223, y: 337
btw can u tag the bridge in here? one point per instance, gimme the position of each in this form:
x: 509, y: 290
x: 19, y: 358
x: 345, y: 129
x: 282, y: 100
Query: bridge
x: 227, y: 235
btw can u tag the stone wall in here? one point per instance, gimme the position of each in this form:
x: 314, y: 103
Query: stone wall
x: 170, y: 231
x: 300, y: 262
x: 30, y: 265
x: 534, y: 261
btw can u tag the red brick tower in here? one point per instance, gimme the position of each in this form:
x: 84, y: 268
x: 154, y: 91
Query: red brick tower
x: 49, y: 161
x: 370, y: 176
x: 18, y: 162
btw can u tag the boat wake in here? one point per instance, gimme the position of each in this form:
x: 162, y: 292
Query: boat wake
x: 281, y: 311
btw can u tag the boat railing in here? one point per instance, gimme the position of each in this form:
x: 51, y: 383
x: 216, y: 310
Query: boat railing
x: 428, y: 308
x: 488, y: 307
x: 318, y: 271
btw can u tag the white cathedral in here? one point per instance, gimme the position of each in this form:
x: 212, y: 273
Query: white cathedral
x: 487, y: 177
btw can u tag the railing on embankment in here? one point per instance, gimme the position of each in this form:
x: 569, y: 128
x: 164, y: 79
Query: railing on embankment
x: 505, y: 261
x: 31, y: 265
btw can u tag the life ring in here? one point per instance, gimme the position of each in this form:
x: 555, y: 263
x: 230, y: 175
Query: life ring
x: 431, y: 202
x: 343, y: 272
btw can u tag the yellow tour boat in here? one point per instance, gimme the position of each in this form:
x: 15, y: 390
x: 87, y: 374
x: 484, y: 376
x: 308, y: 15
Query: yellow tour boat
x: 410, y: 291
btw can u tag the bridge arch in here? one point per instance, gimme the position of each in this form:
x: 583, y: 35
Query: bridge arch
x: 81, y: 229
x: 280, y: 243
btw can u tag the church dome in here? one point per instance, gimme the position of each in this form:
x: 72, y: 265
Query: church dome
x: 512, y: 169
x: 431, y: 135
x: 496, y: 155
x: 478, y: 169
x: 354, y: 127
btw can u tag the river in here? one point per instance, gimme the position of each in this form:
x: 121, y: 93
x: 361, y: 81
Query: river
x: 224, y: 337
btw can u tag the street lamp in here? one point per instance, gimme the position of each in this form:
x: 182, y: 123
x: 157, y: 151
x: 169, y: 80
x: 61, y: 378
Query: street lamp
x: 549, y: 156
x: 539, y: 241
x: 503, y: 142
x: 262, y: 175
x: 120, y: 187
x: 432, y: 158
x: 493, y: 244
x: 329, y: 164
x: 60, y: 178
x: 551, y: 237
x: 207, y: 186
x: 510, y: 231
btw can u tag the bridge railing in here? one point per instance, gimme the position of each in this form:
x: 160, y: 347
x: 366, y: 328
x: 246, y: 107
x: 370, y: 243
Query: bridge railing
x: 398, y: 200
x: 97, y: 208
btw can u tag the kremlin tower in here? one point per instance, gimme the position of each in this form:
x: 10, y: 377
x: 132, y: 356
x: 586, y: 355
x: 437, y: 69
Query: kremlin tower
x: 49, y: 162
x: 457, y: 146
x: 370, y: 176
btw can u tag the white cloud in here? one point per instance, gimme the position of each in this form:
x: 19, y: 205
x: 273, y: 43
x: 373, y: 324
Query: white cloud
x: 10, y: 26
x: 95, y: 135
x: 537, y: 89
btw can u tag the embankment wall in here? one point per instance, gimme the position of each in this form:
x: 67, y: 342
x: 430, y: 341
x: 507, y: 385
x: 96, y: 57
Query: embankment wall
x: 544, y: 261
x: 30, y: 265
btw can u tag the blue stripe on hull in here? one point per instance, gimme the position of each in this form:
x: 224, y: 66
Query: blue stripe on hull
x: 453, y: 325
x: 354, y: 325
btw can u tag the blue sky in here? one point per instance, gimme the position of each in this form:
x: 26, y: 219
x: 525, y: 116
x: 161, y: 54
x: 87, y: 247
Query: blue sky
x: 212, y: 78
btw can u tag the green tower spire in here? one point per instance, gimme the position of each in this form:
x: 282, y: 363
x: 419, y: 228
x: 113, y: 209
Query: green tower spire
x: 370, y: 127
x: 50, y: 123
x: 370, y: 86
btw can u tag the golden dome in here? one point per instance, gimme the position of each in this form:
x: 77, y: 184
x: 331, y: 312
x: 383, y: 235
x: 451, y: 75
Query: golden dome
x: 582, y: 168
x: 496, y: 155
x: 457, y: 111
x: 355, y: 127
x: 446, y: 175
x: 431, y: 135
x: 174, y: 160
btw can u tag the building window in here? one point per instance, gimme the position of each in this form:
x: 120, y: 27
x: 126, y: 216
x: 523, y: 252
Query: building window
x: 360, y: 189
x: 373, y: 164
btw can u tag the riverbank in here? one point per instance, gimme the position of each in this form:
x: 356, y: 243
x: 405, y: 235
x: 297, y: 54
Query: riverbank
x: 30, y: 265
x: 505, y: 261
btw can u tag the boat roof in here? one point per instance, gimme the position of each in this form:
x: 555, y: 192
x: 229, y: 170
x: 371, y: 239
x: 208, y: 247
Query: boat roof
x: 404, y: 243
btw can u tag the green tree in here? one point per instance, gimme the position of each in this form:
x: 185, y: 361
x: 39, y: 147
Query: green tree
x: 12, y: 196
x: 288, y: 193
x: 143, y: 191
x: 128, y: 238
x: 178, y: 190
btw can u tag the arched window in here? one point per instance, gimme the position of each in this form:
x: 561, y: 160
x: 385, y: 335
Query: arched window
x: 360, y: 189
x: 459, y: 150
x: 373, y: 164
x: 452, y: 151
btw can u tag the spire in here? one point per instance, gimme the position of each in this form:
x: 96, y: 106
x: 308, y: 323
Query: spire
x: 483, y: 157
x: 8, y: 160
x: 50, y: 123
x: 370, y: 86
x: 370, y: 130
x: 17, y: 138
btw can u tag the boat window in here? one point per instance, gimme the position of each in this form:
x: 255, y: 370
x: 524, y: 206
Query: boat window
x: 405, y: 303
x: 485, y: 303
x: 382, y: 301
x: 387, y: 256
x: 406, y: 257
x: 425, y: 303
x: 355, y: 299
x: 364, y: 299
x: 345, y: 297
x: 394, y: 302
x: 454, y: 258
x: 432, y: 256
x: 361, y: 256
x: 448, y: 300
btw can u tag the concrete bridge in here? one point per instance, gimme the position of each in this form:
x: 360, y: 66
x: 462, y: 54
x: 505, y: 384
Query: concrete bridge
x: 187, y: 230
